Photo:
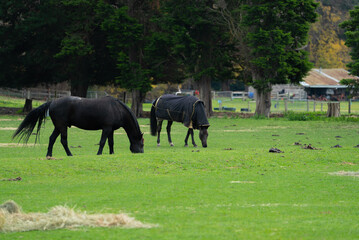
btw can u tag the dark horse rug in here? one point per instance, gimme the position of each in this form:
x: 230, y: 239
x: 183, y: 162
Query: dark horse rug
x: 186, y: 109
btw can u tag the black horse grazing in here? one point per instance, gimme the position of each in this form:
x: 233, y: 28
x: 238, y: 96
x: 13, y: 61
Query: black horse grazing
x: 186, y: 109
x: 105, y: 113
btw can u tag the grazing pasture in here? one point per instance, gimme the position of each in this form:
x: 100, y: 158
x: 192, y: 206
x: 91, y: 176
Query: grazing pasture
x: 233, y: 189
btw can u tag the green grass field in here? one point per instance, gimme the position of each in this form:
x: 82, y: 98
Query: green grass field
x: 234, y: 189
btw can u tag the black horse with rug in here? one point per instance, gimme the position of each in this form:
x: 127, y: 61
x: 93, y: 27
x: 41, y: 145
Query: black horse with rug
x: 106, y: 114
x: 188, y: 110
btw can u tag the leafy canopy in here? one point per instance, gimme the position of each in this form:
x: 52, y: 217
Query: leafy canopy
x: 276, y: 32
x: 351, y: 28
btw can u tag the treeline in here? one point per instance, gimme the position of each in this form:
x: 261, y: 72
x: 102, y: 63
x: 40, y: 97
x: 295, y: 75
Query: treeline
x: 136, y: 43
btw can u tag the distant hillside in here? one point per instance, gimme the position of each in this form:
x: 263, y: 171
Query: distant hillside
x: 326, y: 38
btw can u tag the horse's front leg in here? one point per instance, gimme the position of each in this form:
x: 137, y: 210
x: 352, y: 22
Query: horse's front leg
x: 169, y: 124
x: 192, y: 135
x: 159, y: 127
x: 110, y: 142
x: 186, y: 139
x: 64, y: 141
x: 52, y: 140
x: 105, y: 133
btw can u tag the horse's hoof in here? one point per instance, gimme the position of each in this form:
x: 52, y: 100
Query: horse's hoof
x: 195, y: 145
x: 158, y: 144
x: 171, y: 144
x: 186, y: 145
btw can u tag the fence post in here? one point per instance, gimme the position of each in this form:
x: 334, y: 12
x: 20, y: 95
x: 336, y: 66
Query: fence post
x: 307, y: 105
x: 314, y: 104
x: 321, y: 107
x: 285, y: 105
x: 28, y: 93
x: 349, y: 105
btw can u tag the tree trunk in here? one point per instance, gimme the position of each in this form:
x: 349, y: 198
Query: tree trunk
x: 28, y: 105
x: 263, y: 102
x: 225, y: 85
x: 333, y: 110
x: 137, y: 99
x: 205, y: 93
x: 79, y: 88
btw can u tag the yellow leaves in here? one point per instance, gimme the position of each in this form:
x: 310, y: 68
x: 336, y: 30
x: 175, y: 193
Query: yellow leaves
x: 326, y: 49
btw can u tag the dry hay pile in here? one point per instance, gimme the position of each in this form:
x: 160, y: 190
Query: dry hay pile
x: 12, y: 219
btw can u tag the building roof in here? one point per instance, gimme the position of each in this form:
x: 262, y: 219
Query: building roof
x: 326, y: 78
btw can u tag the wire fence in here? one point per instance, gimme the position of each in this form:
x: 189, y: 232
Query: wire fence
x: 282, y: 106
x: 44, y: 94
x: 221, y: 101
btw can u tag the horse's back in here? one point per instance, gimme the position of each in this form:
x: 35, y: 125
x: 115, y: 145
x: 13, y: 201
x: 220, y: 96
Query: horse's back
x: 176, y: 108
x: 89, y: 114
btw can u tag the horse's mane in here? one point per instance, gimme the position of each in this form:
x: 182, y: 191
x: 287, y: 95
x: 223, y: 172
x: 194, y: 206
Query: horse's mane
x: 131, y: 113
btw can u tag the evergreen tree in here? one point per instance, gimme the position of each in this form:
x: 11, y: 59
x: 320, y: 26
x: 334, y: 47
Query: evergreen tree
x: 270, y: 36
x: 30, y: 33
x: 125, y: 35
x: 352, y: 41
x: 276, y: 30
x: 56, y: 41
x: 195, y: 42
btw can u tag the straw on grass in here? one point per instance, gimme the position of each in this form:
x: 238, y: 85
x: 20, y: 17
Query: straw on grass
x: 12, y: 219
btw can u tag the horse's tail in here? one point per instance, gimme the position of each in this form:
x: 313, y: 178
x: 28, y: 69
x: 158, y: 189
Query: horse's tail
x: 153, y: 120
x: 27, y: 126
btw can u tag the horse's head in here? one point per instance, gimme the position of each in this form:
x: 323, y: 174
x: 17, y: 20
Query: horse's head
x: 203, y: 135
x: 137, y: 144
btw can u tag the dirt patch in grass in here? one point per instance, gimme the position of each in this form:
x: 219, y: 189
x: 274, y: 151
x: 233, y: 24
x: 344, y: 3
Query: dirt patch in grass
x: 13, y: 219
x: 7, y: 128
x: 11, y: 180
x: 243, y: 182
x: 18, y: 145
x: 347, y: 163
x: 344, y: 173
x: 275, y: 150
x: 309, y: 146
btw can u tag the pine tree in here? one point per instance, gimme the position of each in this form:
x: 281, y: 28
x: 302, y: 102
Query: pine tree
x: 352, y: 41
x: 275, y: 33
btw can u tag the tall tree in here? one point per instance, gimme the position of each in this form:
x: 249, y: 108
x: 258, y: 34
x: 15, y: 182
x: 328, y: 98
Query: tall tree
x: 352, y: 34
x: 54, y: 41
x: 84, y: 56
x: 270, y: 36
x: 126, y: 30
x: 196, y: 42
x: 30, y: 33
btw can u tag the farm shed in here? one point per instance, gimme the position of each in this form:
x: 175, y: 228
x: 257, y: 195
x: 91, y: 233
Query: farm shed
x: 324, y: 84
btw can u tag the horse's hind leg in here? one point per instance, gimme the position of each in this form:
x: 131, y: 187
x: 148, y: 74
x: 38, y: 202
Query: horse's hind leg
x: 169, y: 124
x: 52, y: 140
x: 64, y: 141
x: 105, y: 134
x: 159, y: 127
x: 110, y: 142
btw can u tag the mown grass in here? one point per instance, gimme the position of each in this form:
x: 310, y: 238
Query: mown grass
x: 16, y: 102
x: 234, y: 189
